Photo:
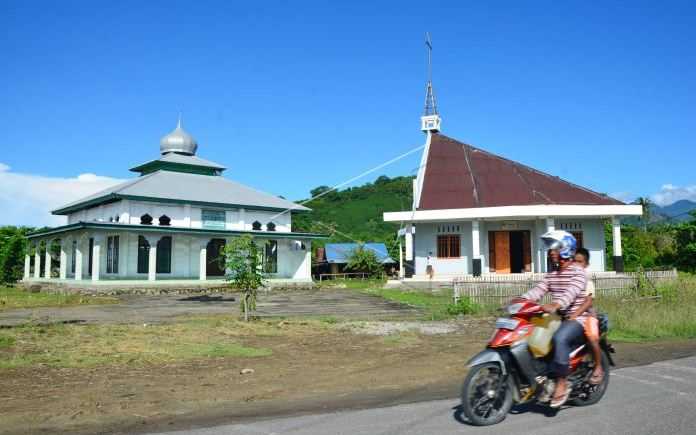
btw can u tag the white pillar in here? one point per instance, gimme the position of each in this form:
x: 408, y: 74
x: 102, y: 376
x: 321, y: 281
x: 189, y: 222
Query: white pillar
x: 409, y: 243
x: 152, y: 260
x: 476, y: 265
x: 63, y: 265
x: 475, y: 240
x: 78, y: 260
x: 308, y: 259
x: 37, y: 261
x: 48, y: 260
x: 202, y: 261
x: 27, y: 265
x: 96, y: 257
x: 616, y: 236
x: 401, y: 261
x: 550, y: 224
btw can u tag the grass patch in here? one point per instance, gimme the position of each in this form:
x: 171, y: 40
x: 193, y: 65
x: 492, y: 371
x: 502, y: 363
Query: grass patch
x: 6, y: 341
x: 435, y: 305
x: 71, y: 345
x: 352, y: 283
x: 671, y: 316
x: 14, y: 297
x: 401, y: 340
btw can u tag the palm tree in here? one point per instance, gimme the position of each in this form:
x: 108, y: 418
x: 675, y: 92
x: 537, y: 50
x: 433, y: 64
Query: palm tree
x: 647, y: 204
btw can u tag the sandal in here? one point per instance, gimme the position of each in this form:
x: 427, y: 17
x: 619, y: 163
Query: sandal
x: 596, y: 378
x: 557, y: 402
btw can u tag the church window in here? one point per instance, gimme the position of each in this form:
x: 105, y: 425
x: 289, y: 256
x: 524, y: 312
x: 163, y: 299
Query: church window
x: 146, y: 219
x: 256, y: 226
x: 270, y: 226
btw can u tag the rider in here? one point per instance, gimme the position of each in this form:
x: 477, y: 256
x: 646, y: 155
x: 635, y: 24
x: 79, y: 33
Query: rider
x: 566, y: 284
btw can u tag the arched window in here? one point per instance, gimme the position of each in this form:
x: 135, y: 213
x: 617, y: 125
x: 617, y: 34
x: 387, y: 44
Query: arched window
x: 117, y: 218
x: 164, y: 220
x: 164, y: 255
x: 256, y: 226
x: 270, y: 226
x: 143, y: 255
x: 146, y: 219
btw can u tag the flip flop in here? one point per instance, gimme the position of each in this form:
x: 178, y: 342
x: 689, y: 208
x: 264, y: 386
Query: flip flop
x: 596, y: 379
x: 557, y: 403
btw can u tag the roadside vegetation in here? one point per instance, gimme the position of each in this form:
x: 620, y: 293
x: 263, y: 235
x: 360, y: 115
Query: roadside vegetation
x: 15, y: 297
x: 74, y: 345
x: 669, y: 312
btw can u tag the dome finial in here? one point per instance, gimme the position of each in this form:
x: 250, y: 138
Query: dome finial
x: 178, y: 141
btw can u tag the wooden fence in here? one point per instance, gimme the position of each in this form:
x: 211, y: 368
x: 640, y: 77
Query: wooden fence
x: 498, y: 289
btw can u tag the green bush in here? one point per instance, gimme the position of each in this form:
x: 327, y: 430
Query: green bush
x: 463, y: 306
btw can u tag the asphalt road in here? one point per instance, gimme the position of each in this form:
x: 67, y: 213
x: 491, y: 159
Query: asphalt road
x: 658, y: 398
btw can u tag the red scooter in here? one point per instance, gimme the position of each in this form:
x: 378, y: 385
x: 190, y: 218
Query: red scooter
x: 508, y: 372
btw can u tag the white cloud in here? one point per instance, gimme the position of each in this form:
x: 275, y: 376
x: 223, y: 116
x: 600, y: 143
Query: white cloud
x: 670, y: 194
x: 27, y: 199
x: 626, y: 197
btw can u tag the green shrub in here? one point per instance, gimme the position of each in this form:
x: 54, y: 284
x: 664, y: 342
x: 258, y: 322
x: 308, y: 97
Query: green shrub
x: 463, y: 306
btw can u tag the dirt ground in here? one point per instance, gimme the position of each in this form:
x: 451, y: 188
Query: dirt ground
x: 328, y: 370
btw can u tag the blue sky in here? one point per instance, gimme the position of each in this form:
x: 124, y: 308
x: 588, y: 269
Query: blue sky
x: 292, y: 95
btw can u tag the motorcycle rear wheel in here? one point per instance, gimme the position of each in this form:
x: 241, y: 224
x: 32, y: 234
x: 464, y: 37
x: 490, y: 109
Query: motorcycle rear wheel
x: 484, y: 400
x: 597, y: 395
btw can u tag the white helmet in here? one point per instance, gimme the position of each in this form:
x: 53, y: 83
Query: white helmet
x: 561, y: 240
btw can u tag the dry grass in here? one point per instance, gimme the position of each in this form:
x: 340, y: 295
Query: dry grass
x: 671, y: 315
x: 191, y: 338
x: 14, y: 297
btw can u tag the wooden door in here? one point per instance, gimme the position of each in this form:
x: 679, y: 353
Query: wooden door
x: 526, y: 251
x: 502, y: 251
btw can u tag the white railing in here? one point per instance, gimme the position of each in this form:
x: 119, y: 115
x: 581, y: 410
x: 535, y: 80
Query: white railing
x: 498, y: 289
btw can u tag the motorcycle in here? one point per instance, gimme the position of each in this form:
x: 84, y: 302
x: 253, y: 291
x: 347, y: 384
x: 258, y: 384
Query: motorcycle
x: 510, y: 372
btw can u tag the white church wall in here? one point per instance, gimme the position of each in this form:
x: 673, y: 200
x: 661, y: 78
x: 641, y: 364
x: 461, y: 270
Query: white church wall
x: 592, y: 236
x: 426, y: 242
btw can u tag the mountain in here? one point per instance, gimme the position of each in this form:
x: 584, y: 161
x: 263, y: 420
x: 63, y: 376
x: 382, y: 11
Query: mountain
x: 355, y: 214
x: 679, y: 211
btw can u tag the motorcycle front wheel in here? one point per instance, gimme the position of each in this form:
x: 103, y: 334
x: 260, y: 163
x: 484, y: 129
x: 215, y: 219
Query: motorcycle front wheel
x: 486, y: 396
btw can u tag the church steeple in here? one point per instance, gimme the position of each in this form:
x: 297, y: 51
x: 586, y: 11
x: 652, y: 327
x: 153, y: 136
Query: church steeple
x: 430, y: 121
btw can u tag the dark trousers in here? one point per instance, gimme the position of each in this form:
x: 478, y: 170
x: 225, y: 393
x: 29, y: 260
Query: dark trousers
x: 568, y: 335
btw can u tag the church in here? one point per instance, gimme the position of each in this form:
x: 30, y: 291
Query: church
x: 169, y: 224
x: 476, y: 213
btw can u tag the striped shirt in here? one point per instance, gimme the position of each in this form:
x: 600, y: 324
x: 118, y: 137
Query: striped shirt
x: 567, y: 288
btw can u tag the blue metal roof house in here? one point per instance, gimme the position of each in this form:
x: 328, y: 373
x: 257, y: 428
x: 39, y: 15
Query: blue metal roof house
x: 339, y: 253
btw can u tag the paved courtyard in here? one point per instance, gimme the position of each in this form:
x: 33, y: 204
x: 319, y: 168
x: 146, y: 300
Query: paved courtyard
x: 163, y: 308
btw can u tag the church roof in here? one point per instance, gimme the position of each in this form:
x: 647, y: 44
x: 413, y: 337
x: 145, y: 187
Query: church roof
x: 185, y: 188
x: 458, y: 175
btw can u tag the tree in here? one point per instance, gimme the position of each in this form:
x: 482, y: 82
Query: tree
x: 647, y: 205
x: 244, y: 263
x: 364, y: 260
x: 685, y: 235
x: 13, y: 244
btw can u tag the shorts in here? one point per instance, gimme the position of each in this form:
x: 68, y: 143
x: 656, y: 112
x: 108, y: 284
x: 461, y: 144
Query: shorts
x: 429, y: 270
x: 592, y: 328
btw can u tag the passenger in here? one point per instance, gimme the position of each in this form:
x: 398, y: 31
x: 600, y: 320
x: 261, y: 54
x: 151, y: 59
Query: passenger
x: 582, y: 259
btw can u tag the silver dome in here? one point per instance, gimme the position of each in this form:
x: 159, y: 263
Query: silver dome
x: 178, y: 141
